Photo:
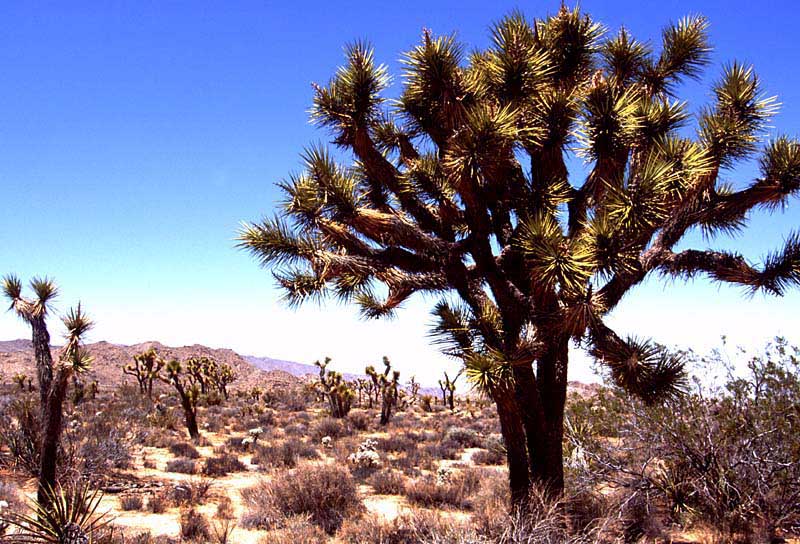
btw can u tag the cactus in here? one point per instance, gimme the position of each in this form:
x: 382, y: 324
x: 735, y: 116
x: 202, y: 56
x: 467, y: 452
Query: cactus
x: 333, y: 387
x: 185, y: 384
x: 146, y: 368
x: 386, y: 386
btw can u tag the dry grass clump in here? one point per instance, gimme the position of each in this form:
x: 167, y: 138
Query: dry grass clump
x: 193, y: 492
x: 296, y: 530
x: 446, y: 489
x: 412, y: 527
x: 194, y: 526
x: 327, y: 494
x: 182, y: 466
x: 360, y: 420
x: 222, y: 465
x: 184, y: 449
x: 462, y: 437
x: 489, y: 457
x: 387, y: 482
x: 284, y: 454
x: 131, y: 502
x: 328, y: 426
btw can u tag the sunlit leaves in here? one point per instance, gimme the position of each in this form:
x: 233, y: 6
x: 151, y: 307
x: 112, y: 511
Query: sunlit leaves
x: 780, y: 170
x: 732, y: 129
x: 274, y: 242
x: 353, y: 97
x: 553, y: 259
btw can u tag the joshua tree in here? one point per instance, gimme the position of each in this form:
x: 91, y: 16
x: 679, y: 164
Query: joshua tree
x: 413, y: 386
x: 461, y: 188
x: 146, y: 368
x: 333, y: 387
x: 186, y: 386
x: 221, y: 375
x: 19, y: 379
x: 386, y: 388
x: 448, y: 388
x: 53, y: 376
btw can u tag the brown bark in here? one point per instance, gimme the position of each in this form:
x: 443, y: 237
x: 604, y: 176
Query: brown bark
x: 513, y: 431
x: 51, y: 434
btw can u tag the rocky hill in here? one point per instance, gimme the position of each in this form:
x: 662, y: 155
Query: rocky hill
x: 16, y: 356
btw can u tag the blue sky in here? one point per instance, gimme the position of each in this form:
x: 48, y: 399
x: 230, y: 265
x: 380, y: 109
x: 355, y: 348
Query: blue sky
x: 135, y: 136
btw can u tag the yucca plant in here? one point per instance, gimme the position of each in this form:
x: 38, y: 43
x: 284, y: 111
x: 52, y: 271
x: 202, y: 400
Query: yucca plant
x: 69, y: 516
x: 53, y: 375
x: 460, y: 188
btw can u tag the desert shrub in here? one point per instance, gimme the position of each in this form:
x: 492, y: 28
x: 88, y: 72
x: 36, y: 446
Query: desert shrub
x: 221, y: 465
x: 182, y: 466
x: 193, y: 492
x: 184, y: 449
x: 194, y: 526
x: 455, y: 489
x: 326, y: 493
x: 20, y: 434
x: 131, y: 502
x: 284, y: 454
x: 462, y: 437
x: 443, y: 450
x: 296, y: 530
x: 294, y: 399
x: 724, y: 455
x: 398, y: 442
x: 417, y: 526
x: 233, y: 443
x: 296, y: 429
x: 412, y: 461
x: 329, y: 426
x: 489, y: 457
x: 360, y: 420
x: 387, y: 482
x: 157, y: 503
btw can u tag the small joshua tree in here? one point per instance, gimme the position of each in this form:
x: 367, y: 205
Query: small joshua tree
x: 146, y: 368
x: 19, y: 379
x: 413, y: 387
x: 54, y: 376
x: 448, y: 388
x: 333, y: 387
x: 221, y: 376
x: 186, y: 386
x: 386, y: 387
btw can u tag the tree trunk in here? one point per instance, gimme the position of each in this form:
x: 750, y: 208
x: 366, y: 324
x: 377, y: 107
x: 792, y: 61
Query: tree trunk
x: 191, y: 421
x: 44, y: 359
x: 513, y: 431
x: 547, y: 465
x: 51, y: 435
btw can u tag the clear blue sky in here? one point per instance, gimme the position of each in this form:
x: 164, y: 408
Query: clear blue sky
x: 134, y: 136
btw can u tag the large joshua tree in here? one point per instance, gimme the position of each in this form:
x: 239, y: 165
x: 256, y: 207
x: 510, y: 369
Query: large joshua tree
x: 460, y: 187
x: 54, y: 376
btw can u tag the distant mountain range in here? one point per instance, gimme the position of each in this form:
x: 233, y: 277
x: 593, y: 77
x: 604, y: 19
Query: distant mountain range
x: 17, y: 356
